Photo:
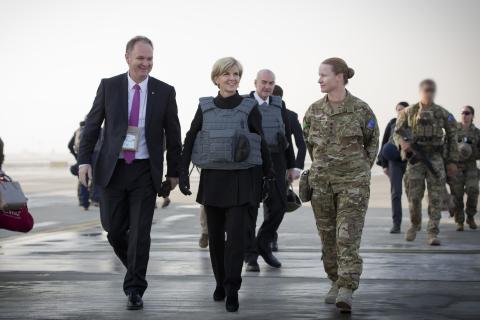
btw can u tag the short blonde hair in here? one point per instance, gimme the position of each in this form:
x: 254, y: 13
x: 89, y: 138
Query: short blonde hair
x: 225, y: 64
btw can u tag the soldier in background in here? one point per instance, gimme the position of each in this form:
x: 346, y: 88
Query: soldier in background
x: 466, y: 180
x: 341, y: 132
x: 427, y: 123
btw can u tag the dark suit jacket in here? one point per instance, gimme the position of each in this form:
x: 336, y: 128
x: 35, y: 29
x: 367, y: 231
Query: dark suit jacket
x: 2, y: 156
x: 297, y: 132
x: 111, y: 105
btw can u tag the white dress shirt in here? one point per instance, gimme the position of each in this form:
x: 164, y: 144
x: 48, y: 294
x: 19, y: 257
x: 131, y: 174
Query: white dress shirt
x: 259, y: 99
x: 142, y: 151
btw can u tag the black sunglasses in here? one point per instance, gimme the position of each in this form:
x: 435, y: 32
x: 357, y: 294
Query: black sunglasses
x: 466, y: 113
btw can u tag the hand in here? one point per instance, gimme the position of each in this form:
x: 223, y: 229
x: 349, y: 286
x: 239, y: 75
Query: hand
x: 405, y: 146
x: 173, y: 182
x: 85, y: 174
x: 267, y: 188
x: 293, y: 174
x: 184, y: 184
x: 452, y: 170
x: 385, y: 171
x: 165, y: 189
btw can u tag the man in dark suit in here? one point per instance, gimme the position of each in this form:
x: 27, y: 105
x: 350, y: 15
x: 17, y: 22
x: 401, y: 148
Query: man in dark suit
x: 276, y: 129
x: 137, y: 110
x: 297, y: 133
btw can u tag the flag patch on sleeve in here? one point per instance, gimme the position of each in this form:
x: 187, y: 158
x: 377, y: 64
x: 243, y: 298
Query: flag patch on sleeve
x: 450, y: 118
x: 371, y: 124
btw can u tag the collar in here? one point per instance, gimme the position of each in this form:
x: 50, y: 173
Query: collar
x: 347, y: 97
x: 131, y: 83
x: 259, y: 99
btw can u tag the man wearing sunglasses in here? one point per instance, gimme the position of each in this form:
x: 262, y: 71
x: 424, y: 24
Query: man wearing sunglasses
x: 466, y: 180
x: 434, y: 134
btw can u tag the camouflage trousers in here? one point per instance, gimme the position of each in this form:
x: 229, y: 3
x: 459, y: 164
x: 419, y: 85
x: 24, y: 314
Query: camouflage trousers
x: 465, y: 182
x: 415, y: 178
x: 340, y: 214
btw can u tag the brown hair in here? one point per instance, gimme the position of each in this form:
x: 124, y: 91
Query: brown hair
x: 340, y: 66
x: 429, y: 83
x: 131, y: 43
x: 471, y: 109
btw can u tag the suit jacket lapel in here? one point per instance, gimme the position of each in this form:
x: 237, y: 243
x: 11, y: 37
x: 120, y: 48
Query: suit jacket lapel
x: 124, y: 100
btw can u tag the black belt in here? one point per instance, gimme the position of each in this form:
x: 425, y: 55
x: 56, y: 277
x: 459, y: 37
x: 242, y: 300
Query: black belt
x: 134, y: 161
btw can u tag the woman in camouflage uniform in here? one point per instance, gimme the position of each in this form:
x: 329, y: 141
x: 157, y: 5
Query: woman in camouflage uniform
x: 341, y: 132
x: 466, y: 180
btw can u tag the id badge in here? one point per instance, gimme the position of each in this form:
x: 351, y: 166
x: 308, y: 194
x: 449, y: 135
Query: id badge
x: 131, y: 140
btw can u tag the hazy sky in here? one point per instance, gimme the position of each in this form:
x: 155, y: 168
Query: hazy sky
x: 54, y: 54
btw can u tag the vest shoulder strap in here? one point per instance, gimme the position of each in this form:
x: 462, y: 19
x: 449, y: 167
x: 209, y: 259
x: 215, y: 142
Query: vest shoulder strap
x: 247, y: 105
x: 276, y: 101
x: 206, y: 104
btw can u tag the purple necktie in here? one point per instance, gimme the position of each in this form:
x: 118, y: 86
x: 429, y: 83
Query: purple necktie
x: 129, y: 156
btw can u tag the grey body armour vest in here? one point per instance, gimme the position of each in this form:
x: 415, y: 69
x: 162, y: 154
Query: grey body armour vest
x: 273, y: 126
x: 225, y: 141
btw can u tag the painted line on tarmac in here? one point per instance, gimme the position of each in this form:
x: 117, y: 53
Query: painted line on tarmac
x: 367, y: 250
x: 38, y: 235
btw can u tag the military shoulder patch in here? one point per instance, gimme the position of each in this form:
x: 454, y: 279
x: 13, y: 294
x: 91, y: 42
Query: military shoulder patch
x: 371, y: 123
x: 450, y: 118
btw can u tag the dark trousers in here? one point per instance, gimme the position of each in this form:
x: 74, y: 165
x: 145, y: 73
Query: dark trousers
x: 250, y: 234
x: 396, y: 170
x: 273, y: 212
x: 226, y: 253
x: 95, y: 190
x: 127, y: 204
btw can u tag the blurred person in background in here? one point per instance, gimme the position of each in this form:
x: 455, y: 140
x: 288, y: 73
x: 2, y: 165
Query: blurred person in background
x: 74, y: 145
x: 393, y: 166
x: 2, y: 155
x: 466, y: 180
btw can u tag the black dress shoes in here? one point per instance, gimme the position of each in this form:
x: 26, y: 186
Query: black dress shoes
x: 219, y: 294
x: 232, y: 304
x: 134, y: 302
x: 269, y: 258
x: 252, y: 266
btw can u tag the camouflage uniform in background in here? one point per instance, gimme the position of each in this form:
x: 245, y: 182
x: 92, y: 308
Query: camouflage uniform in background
x: 431, y: 129
x: 343, y: 144
x: 466, y: 181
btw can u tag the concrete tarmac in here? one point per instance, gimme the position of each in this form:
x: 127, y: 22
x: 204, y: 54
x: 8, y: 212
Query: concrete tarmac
x: 67, y: 270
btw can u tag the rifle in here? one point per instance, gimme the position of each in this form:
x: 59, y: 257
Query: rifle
x: 418, y: 153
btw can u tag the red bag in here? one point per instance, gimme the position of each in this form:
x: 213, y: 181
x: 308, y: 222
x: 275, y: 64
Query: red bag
x: 19, y: 220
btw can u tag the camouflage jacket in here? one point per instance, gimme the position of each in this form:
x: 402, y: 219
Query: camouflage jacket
x: 433, y: 128
x: 471, y: 135
x: 343, y: 141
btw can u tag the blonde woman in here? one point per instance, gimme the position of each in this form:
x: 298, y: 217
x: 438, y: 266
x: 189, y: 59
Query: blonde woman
x: 226, y: 141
